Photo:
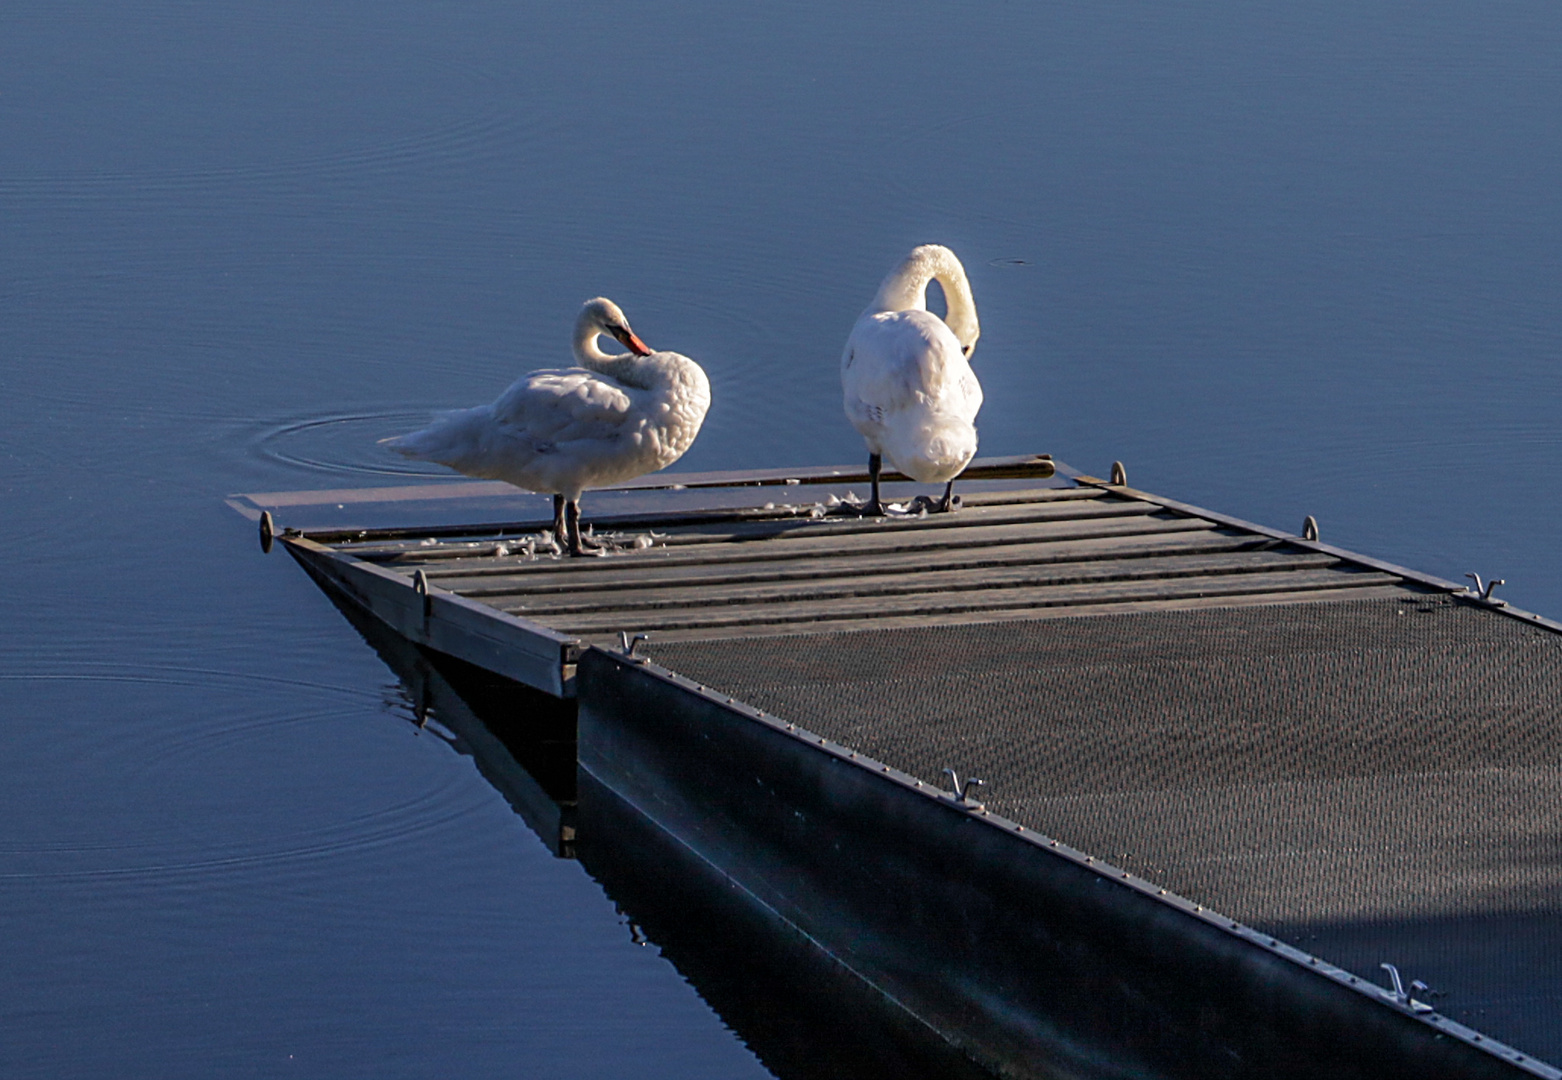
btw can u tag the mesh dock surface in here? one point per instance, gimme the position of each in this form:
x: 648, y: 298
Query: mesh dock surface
x: 1373, y: 780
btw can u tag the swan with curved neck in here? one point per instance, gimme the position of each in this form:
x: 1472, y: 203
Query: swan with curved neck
x: 908, y: 387
x: 562, y: 431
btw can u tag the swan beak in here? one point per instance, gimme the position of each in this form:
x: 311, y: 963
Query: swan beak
x: 627, y: 338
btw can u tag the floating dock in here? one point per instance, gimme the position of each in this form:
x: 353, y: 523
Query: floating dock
x: 1227, y: 772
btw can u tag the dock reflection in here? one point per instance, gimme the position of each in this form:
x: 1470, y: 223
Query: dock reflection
x: 800, y: 1012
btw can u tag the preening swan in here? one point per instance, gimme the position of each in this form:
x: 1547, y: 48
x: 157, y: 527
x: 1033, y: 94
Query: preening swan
x: 564, y: 430
x: 908, y: 388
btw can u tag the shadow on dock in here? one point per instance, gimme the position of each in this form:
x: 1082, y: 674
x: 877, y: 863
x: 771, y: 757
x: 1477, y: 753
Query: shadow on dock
x: 801, y: 1013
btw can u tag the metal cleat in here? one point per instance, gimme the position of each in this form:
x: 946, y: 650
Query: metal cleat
x: 1483, y: 593
x: 631, y: 645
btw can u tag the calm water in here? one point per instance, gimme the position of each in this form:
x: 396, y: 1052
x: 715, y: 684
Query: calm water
x: 1280, y: 261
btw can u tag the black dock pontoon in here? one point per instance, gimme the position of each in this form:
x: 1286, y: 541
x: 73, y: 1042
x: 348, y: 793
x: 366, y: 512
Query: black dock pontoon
x: 1229, y: 772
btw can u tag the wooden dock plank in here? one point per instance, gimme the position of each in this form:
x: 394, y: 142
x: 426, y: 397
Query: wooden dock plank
x: 1069, y: 611
x: 940, y: 604
x: 884, y: 542
x: 998, y: 514
x: 1022, y: 466
x: 488, y: 577
x: 784, y: 522
x: 928, y: 580
x: 1033, y: 495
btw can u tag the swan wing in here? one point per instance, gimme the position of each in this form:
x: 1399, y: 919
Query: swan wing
x: 564, y: 405
x: 911, y: 394
x: 902, y: 360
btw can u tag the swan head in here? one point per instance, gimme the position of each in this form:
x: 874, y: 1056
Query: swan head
x: 602, y: 316
x: 966, y: 334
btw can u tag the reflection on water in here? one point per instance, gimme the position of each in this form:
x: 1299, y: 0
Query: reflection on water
x: 802, y: 1014
x: 522, y: 741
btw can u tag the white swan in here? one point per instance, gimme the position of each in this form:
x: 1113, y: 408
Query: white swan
x: 564, y: 430
x: 908, y: 388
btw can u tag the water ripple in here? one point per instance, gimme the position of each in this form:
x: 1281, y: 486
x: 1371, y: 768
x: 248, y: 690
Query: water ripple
x: 247, y: 774
x: 335, y: 443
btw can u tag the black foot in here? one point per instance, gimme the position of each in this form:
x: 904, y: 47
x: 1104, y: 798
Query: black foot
x: 926, y: 504
x: 873, y: 508
x: 950, y: 502
x: 585, y: 545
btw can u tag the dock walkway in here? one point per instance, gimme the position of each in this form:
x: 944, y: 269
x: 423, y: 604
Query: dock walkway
x: 1334, y: 761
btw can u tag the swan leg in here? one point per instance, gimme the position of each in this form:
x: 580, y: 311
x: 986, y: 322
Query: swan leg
x: 560, y: 528
x: 875, y: 508
x: 948, y: 502
x: 578, y: 544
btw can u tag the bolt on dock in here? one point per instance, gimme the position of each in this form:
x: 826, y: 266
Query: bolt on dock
x: 1075, y: 771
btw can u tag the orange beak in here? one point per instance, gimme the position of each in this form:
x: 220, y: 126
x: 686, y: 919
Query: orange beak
x: 627, y: 338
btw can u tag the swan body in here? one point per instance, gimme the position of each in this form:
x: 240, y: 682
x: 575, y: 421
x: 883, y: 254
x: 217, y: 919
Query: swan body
x: 562, y: 431
x: 908, y: 386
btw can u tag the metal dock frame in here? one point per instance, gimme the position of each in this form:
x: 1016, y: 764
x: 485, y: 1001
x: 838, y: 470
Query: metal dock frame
x: 1035, y: 959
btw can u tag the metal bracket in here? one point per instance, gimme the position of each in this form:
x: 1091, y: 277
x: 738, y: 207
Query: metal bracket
x: 1484, y: 593
x: 962, y: 792
x: 1310, y: 528
x: 420, y: 586
x: 1398, y: 993
x: 1119, y: 474
x: 631, y: 645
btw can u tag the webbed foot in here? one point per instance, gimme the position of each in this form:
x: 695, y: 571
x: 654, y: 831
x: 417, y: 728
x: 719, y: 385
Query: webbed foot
x: 948, y: 504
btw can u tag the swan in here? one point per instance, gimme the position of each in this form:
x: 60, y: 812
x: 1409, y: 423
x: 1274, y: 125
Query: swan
x: 561, y: 431
x: 908, y: 387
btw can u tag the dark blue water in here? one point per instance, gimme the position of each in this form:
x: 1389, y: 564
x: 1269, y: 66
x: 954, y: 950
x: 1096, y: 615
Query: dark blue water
x: 1279, y: 260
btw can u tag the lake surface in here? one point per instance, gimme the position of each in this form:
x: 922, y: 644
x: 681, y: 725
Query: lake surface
x: 1280, y: 261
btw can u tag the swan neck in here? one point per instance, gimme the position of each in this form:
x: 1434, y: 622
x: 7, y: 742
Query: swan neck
x: 587, y: 354
x: 906, y: 290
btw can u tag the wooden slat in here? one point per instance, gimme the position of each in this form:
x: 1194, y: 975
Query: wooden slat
x: 378, y: 544
x: 1430, y: 580
x: 791, y: 529
x: 1032, y: 495
x: 1022, y: 466
x: 885, y: 543
x: 1070, y: 611
x: 569, y: 576
x: 781, y: 523
x: 940, y: 604
x: 373, y: 543
x: 929, y: 580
